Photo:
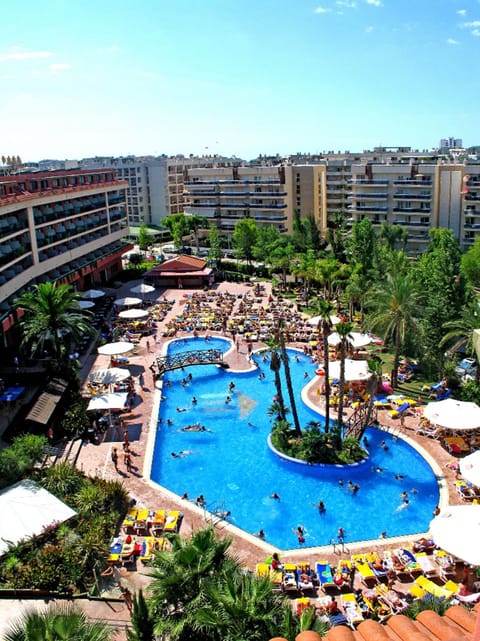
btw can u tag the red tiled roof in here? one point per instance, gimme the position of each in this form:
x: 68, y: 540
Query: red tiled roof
x: 181, y: 266
x: 458, y: 624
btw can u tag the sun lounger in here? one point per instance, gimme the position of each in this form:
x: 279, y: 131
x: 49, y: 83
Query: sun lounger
x: 324, y: 573
x: 352, y: 610
x: 376, y: 564
x: 173, y: 521
x: 304, y: 580
x: 148, y: 549
x: 289, y: 582
x: 378, y: 608
x: 428, y: 567
x: 129, y: 519
x: 441, y: 592
x: 391, y: 599
x: 445, y: 563
x: 401, y: 409
x: 464, y: 598
x: 368, y: 576
x: 262, y: 571
x: 343, y: 573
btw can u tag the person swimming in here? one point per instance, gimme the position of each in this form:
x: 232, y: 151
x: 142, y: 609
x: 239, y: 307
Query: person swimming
x: 195, y: 427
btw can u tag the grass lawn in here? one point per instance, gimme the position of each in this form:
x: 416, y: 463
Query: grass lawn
x: 412, y: 389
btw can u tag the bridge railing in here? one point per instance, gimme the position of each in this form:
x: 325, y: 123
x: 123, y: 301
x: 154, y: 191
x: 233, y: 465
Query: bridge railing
x: 192, y: 357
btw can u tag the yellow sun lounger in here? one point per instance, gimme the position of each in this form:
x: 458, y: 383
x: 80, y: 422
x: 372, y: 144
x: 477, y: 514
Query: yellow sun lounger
x: 361, y: 565
x: 432, y: 588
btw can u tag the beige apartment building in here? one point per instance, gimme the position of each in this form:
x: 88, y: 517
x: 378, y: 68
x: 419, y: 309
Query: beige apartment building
x: 418, y: 194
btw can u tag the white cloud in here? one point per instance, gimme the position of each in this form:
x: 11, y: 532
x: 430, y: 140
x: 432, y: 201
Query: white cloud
x: 60, y: 66
x: 462, y: 12
x: 471, y: 25
x: 347, y: 4
x: 475, y: 32
x: 22, y: 54
x: 375, y: 3
x: 321, y: 10
x: 369, y: 29
x: 451, y: 41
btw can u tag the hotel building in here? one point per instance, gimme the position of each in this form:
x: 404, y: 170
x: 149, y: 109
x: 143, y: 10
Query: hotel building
x: 61, y: 226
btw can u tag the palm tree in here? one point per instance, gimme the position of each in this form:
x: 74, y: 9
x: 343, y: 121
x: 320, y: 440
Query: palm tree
x: 241, y: 606
x: 394, y: 304
x: 288, y: 379
x: 344, y: 332
x: 181, y: 577
x: 275, y: 364
x: 58, y: 624
x: 461, y: 332
x: 325, y: 310
x: 52, y: 321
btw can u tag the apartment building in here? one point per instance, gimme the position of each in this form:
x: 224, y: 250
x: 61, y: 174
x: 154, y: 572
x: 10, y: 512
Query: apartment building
x: 414, y: 195
x: 61, y: 226
x: 267, y: 194
x: 155, y: 184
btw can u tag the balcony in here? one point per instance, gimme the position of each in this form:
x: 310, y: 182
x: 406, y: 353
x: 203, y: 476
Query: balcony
x: 372, y: 194
x: 413, y: 182
x: 367, y: 208
x: 413, y: 210
x: 412, y: 196
x: 365, y: 182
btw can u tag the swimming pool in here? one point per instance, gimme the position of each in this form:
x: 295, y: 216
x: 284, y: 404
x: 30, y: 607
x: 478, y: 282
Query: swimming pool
x: 232, y: 466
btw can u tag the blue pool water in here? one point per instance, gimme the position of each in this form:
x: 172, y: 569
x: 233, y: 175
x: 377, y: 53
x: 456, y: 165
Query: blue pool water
x: 235, y: 470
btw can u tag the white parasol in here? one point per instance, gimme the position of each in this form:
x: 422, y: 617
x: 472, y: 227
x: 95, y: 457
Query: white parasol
x: 109, y: 376
x: 114, y: 349
x: 128, y: 301
x: 317, y: 319
x: 354, y: 370
x: 453, y: 415
x: 470, y: 468
x: 92, y: 293
x: 457, y: 530
x: 133, y: 313
x: 85, y: 304
x: 143, y: 288
x: 112, y: 401
x: 356, y: 340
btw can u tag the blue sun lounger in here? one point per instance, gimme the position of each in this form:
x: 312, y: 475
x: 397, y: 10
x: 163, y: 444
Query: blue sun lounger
x: 324, y: 573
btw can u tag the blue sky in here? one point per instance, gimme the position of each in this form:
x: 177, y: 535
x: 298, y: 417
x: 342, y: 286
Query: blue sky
x: 244, y: 77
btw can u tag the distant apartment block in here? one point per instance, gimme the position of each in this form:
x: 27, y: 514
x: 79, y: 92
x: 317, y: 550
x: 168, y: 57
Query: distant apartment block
x: 155, y: 185
x: 269, y: 195
x: 451, y: 143
x: 64, y: 226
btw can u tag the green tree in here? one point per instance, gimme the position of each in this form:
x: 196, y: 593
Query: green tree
x: 282, y: 258
x: 19, y: 459
x: 442, y: 292
x: 288, y: 379
x: 470, y: 265
x: 461, y: 332
x: 307, y: 269
x: 394, y: 312
x: 180, y: 578
x: 214, y: 242
x: 275, y: 365
x: 362, y: 248
x: 336, y: 234
x: 344, y: 332
x: 145, y: 238
x: 244, y: 239
x: 52, y: 321
x: 58, y: 624
x: 142, y: 621
x: 325, y: 310
x: 268, y: 239
x: 393, y: 235
x: 241, y: 606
